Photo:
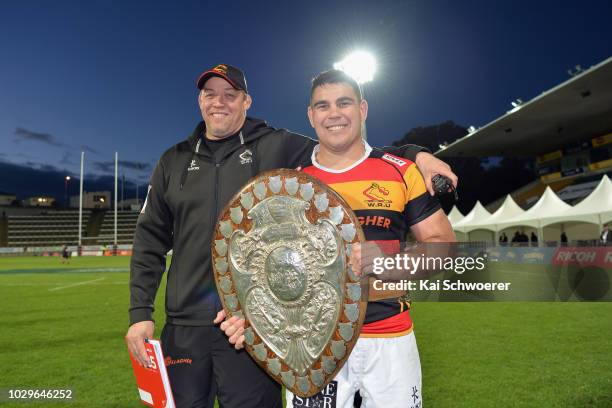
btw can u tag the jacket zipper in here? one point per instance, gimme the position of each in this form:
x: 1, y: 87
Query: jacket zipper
x: 213, y: 215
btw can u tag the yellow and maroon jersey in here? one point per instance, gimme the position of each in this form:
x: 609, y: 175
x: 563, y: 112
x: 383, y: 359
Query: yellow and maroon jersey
x: 388, y: 195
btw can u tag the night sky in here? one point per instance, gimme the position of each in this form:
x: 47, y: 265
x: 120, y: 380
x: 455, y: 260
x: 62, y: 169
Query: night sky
x: 106, y: 76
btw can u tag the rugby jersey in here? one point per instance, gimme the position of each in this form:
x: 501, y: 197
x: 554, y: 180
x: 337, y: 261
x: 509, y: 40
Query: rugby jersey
x: 388, y: 195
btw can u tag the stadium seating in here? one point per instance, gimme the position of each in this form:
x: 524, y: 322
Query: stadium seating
x: 529, y: 194
x: 126, y: 224
x: 51, y: 228
x: 55, y: 228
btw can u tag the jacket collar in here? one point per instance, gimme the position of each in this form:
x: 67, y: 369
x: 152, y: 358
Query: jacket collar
x: 252, y: 129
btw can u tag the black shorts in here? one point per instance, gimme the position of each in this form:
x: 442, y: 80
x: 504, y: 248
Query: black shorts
x: 203, y: 364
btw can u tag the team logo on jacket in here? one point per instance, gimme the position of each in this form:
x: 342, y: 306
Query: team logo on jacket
x: 376, y: 196
x: 246, y: 157
x: 193, y: 166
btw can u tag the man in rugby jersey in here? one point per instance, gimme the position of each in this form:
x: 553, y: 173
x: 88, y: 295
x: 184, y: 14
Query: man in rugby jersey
x: 389, y: 197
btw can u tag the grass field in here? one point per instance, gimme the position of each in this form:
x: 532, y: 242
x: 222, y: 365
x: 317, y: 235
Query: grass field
x: 63, y: 327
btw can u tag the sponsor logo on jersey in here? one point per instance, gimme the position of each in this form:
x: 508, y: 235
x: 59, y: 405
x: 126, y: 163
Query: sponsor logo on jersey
x: 375, y: 195
x: 394, y: 160
x: 375, y: 220
x: 416, y: 400
x: 326, y: 398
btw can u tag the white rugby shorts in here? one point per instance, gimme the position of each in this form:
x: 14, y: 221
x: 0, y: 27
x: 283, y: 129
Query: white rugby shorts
x: 385, y: 370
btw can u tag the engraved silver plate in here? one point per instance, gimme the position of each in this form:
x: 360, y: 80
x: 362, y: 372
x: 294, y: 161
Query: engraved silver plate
x: 285, y: 260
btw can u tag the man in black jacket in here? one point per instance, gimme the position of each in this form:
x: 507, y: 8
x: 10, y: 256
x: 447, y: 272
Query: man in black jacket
x: 190, y: 185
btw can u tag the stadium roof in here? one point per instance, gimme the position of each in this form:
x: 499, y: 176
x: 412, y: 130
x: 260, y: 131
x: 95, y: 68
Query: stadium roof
x: 578, y: 109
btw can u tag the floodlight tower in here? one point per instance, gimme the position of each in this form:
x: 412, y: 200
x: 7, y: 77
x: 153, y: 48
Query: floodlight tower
x: 66, y: 180
x: 360, y: 65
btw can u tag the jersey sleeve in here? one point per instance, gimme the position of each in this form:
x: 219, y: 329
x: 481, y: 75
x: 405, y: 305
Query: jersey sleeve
x: 419, y: 203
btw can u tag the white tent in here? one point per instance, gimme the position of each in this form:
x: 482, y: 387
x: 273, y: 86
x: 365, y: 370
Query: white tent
x: 454, y: 216
x: 477, y: 214
x: 548, y: 206
x: 594, y: 209
x: 507, y: 210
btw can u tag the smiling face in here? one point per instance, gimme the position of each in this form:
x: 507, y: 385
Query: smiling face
x: 337, y: 114
x: 223, y: 108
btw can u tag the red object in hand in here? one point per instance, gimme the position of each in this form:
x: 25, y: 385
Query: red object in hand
x: 153, y: 382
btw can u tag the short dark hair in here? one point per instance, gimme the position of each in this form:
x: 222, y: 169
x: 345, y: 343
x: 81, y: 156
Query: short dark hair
x: 335, y: 76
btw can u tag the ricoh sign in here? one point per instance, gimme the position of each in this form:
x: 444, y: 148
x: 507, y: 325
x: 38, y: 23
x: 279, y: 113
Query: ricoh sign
x: 584, y: 256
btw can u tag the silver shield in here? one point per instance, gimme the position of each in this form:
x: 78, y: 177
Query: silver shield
x: 286, y: 263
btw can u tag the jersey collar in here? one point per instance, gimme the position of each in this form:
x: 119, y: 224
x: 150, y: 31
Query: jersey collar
x: 366, y: 154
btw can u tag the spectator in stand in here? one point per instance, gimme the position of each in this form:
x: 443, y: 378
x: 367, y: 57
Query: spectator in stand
x: 606, y: 235
x: 516, y: 238
x: 563, y: 239
x: 534, y: 239
x: 524, y: 239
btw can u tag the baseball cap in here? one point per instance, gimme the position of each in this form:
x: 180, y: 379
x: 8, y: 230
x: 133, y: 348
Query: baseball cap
x: 228, y: 72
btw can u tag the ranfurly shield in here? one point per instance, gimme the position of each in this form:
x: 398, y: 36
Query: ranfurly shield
x: 280, y: 256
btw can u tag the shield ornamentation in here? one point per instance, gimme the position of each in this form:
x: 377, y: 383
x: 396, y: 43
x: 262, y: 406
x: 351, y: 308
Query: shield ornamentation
x: 281, y: 261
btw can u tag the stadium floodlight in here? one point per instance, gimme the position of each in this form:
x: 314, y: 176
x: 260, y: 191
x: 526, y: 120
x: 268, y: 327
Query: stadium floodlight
x: 576, y: 71
x: 361, y: 65
x: 471, y: 129
x: 66, y: 180
x: 518, y: 102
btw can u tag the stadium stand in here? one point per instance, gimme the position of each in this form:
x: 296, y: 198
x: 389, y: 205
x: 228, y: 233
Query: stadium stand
x: 580, y: 188
x: 49, y: 228
x: 567, y: 131
x: 126, y: 225
x: 571, y: 190
x: 3, y: 231
x: 61, y: 228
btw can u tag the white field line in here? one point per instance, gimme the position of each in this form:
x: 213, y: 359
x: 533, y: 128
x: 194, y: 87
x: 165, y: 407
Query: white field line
x: 97, y: 270
x: 76, y: 284
x: 80, y: 270
x: 54, y: 284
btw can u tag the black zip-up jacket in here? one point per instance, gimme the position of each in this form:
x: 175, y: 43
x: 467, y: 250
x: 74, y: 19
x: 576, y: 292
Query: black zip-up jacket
x: 189, y: 187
